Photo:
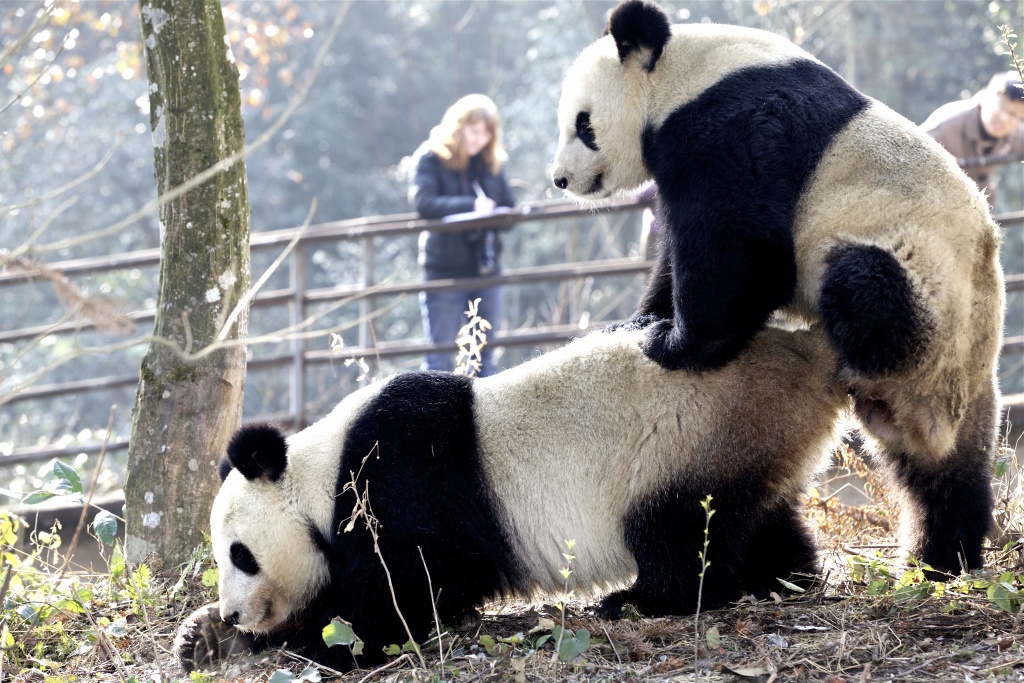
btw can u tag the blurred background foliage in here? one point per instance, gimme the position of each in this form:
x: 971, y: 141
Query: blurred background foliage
x: 76, y: 93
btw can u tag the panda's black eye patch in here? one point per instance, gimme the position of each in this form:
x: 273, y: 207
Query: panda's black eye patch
x: 242, y: 558
x: 584, y: 131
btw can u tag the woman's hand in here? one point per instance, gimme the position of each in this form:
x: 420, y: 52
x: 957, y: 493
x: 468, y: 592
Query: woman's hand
x: 484, y: 204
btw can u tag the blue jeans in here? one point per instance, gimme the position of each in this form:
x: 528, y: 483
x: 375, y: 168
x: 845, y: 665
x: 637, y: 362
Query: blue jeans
x: 444, y: 313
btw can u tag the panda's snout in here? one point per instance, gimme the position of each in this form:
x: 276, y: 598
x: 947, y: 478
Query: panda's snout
x: 561, y: 183
x: 232, y: 619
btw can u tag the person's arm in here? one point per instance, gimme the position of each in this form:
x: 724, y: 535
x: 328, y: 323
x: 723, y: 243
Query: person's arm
x: 427, y: 197
x: 506, y: 196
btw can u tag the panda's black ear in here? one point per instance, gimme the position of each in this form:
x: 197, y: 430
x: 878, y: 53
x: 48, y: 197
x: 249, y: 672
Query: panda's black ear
x: 258, y: 450
x: 638, y: 26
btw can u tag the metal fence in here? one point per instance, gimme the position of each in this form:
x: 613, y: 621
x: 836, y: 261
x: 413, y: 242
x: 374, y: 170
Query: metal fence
x: 299, y: 296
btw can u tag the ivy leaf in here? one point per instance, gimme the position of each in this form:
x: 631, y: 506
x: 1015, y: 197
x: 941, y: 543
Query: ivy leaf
x: 105, y: 526
x: 1000, y: 597
x: 67, y: 474
x: 339, y: 632
x: 573, y: 645
x: 211, y: 577
x: 37, y: 497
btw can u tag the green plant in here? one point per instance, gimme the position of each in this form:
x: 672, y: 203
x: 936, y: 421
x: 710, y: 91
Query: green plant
x: 569, y: 646
x: 702, y: 554
x: 471, y: 340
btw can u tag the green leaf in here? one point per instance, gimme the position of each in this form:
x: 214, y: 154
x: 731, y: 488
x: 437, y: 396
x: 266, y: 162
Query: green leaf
x: 1000, y: 597
x: 310, y: 674
x: 339, y: 632
x: 68, y: 474
x: 282, y: 676
x: 790, y: 586
x: 1002, y: 464
x: 211, y: 577
x: 116, y: 564
x: 26, y: 612
x: 713, y: 638
x: 573, y: 644
x: 392, y: 650
x: 37, y: 497
x: 105, y: 526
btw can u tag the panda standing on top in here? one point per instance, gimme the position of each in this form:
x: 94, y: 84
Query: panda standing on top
x: 782, y: 187
x: 481, y: 481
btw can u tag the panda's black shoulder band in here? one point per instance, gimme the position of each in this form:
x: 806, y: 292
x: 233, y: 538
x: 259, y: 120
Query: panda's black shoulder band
x: 638, y: 25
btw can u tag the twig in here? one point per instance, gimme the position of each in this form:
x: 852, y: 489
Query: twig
x: 376, y: 671
x: 222, y: 165
x: 145, y: 618
x: 88, y: 501
x: 362, y: 509
x: 307, y: 660
x: 433, y: 605
x: 251, y: 294
x: 108, y: 647
x: 617, y: 658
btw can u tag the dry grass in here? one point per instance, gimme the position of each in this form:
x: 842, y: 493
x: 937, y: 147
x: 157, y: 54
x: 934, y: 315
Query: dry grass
x: 879, y: 622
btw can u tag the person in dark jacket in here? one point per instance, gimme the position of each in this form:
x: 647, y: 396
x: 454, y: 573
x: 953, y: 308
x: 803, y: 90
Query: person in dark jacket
x: 459, y: 170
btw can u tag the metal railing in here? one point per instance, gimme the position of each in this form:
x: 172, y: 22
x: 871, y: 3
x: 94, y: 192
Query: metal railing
x: 298, y: 296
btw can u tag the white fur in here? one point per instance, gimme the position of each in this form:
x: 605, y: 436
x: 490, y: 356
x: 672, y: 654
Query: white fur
x: 271, y: 519
x: 573, y: 440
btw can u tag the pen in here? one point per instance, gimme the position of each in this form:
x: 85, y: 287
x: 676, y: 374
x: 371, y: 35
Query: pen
x: 479, y: 190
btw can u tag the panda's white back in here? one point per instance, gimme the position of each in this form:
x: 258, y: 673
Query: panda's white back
x: 574, y: 440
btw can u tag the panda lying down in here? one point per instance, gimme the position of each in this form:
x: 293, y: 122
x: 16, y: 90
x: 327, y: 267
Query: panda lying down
x: 488, y: 478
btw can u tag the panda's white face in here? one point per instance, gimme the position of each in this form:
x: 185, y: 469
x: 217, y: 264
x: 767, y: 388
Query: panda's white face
x: 601, y: 118
x: 268, y: 562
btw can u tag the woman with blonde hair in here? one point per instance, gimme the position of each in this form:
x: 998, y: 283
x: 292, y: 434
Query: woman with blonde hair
x: 459, y: 170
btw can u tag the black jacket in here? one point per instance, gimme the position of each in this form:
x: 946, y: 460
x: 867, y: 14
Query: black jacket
x: 438, y: 191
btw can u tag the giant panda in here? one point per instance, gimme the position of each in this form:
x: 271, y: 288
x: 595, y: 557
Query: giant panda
x: 488, y: 478
x: 783, y: 190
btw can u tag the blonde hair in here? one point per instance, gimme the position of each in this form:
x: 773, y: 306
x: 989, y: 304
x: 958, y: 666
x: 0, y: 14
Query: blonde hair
x: 446, y: 137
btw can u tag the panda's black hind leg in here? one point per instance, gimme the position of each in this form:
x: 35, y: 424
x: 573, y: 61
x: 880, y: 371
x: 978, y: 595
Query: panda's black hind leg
x: 751, y: 544
x: 946, y: 505
x: 870, y: 310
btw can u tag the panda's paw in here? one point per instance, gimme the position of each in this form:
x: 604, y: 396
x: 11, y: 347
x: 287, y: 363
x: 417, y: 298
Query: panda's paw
x: 665, y: 344
x: 674, y: 349
x: 204, y: 639
x: 637, y: 322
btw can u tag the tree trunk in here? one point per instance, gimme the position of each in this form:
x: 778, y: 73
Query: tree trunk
x: 186, y: 410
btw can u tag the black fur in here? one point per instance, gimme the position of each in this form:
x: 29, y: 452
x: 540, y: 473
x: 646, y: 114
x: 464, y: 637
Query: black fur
x: 949, y: 503
x: 257, y: 450
x: 755, y: 539
x: 420, y: 437
x: 636, y: 25
x: 870, y: 311
x: 730, y: 168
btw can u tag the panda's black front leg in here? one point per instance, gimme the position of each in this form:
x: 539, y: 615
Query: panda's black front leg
x: 947, y: 504
x: 725, y: 285
x: 656, y: 303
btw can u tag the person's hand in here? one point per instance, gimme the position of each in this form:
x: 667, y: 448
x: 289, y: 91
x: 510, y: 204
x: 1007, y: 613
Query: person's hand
x: 484, y: 204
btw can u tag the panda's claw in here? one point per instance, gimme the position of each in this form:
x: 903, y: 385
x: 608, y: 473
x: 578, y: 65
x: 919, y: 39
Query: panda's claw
x: 637, y: 322
x: 204, y: 639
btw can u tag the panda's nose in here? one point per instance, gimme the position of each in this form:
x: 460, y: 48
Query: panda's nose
x: 232, y: 619
x: 561, y: 183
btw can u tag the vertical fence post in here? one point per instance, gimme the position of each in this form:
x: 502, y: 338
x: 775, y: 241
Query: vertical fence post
x: 367, y: 278
x: 296, y: 314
